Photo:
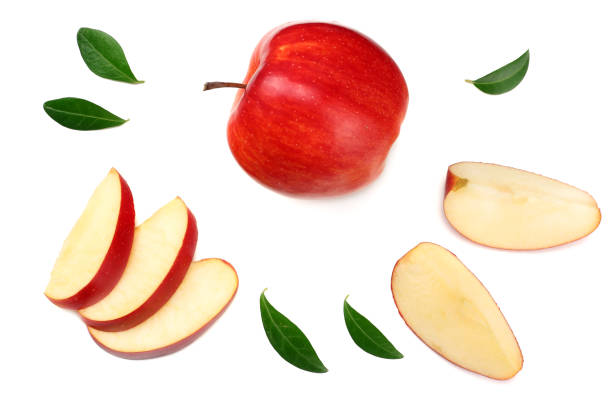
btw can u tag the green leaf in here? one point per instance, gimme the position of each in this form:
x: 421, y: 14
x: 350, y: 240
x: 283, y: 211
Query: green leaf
x: 104, y: 56
x: 505, y: 78
x: 287, y: 339
x: 367, y: 336
x: 79, y: 114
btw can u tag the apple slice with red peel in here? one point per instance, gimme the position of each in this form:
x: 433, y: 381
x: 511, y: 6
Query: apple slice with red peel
x: 507, y: 208
x: 96, y: 251
x: 448, y: 308
x: 207, y: 289
x: 162, y: 252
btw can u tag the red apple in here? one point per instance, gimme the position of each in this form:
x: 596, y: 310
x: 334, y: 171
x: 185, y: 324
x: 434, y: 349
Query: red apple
x: 320, y: 107
x: 96, y: 251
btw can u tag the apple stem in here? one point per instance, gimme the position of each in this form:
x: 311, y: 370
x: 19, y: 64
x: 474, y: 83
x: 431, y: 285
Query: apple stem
x: 215, y: 85
x: 469, y: 81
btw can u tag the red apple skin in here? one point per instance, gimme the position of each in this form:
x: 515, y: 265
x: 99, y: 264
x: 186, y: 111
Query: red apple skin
x: 451, y: 179
x: 322, y: 106
x: 114, y: 262
x: 437, y: 352
x: 143, y: 355
x: 163, y: 292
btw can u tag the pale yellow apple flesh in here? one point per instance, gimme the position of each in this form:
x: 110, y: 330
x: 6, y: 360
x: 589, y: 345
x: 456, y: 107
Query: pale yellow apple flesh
x: 507, y: 208
x: 207, y: 288
x: 157, y: 243
x: 448, y: 308
x: 94, y: 253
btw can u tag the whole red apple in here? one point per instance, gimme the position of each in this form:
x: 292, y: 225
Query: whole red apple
x: 318, y: 111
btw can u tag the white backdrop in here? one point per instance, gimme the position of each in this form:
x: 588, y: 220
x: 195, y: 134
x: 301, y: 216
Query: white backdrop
x: 309, y: 253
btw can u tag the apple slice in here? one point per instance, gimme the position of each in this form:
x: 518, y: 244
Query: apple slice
x: 448, y: 308
x: 207, y: 289
x: 507, y: 208
x: 96, y: 251
x: 162, y: 251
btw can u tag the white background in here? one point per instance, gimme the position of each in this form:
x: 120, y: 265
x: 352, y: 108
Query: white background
x: 309, y: 253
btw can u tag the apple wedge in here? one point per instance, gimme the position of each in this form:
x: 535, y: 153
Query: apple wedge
x: 207, y: 289
x: 448, y: 308
x: 507, y: 208
x: 96, y: 251
x: 162, y: 251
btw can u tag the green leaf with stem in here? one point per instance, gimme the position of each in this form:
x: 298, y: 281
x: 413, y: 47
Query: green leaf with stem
x: 80, y: 114
x: 367, y: 336
x: 505, y: 78
x: 104, y: 56
x: 287, y: 339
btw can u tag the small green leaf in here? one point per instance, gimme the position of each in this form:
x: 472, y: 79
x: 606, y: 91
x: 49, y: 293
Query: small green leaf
x: 367, y: 336
x: 104, y: 56
x: 79, y: 114
x: 505, y: 78
x: 287, y: 339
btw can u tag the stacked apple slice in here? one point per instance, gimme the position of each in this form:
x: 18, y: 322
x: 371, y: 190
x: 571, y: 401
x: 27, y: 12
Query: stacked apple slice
x: 97, y: 249
x: 137, y: 289
x: 163, y: 249
x: 206, y: 290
